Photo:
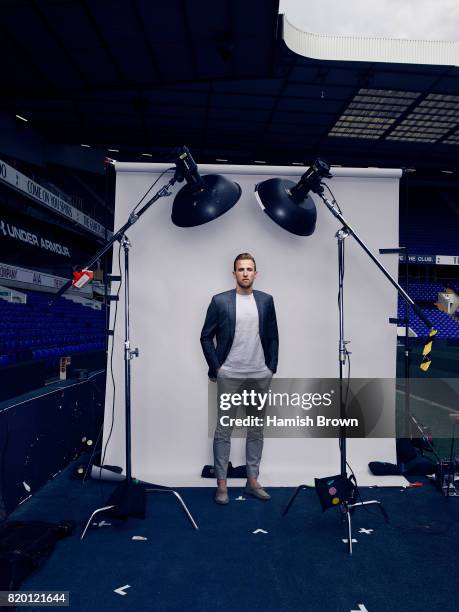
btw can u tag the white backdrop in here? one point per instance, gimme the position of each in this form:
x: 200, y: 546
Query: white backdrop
x: 175, y: 271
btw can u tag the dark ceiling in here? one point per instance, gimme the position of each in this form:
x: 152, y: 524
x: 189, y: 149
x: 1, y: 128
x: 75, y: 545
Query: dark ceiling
x: 144, y: 76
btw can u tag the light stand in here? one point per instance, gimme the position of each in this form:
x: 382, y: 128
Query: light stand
x: 347, y: 505
x: 128, y: 499
x: 201, y: 200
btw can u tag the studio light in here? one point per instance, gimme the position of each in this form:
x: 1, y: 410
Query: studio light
x: 203, y: 198
x: 288, y: 203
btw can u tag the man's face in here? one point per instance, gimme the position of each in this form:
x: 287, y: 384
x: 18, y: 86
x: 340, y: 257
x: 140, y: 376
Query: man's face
x: 245, y: 273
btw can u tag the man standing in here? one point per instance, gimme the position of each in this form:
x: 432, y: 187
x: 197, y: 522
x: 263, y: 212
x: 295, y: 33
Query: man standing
x: 243, y: 322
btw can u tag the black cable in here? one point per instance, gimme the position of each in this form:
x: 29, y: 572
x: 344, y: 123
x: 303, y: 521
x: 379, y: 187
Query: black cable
x: 341, y: 264
x: 357, y: 487
x: 99, y: 390
x: 347, y: 353
x: 335, y: 202
x: 111, y: 370
x: 148, y: 191
x: 91, y: 458
x: 2, y: 470
x: 348, y: 357
x: 112, y: 347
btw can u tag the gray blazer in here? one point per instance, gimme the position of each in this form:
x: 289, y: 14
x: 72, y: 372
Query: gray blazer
x: 220, y: 324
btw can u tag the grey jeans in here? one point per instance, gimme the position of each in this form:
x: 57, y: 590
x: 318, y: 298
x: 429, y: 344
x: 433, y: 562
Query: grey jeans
x: 222, y: 438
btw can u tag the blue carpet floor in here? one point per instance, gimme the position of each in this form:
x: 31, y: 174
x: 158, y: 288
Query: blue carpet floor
x: 300, y: 564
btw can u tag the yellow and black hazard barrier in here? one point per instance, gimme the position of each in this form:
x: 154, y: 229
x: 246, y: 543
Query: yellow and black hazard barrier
x: 427, y: 350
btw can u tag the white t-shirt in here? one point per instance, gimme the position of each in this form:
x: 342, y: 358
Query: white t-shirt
x: 246, y: 354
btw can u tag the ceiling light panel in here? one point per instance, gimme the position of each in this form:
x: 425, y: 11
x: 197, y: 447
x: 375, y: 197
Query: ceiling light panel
x: 453, y: 138
x: 372, y: 112
x: 430, y: 121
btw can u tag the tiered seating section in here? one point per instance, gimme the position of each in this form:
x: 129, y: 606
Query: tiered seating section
x: 424, y: 293
x: 38, y: 331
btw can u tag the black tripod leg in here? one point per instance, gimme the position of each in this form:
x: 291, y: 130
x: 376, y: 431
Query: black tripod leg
x: 378, y: 504
x: 292, y: 499
x: 383, y: 512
